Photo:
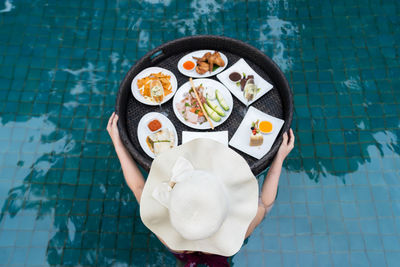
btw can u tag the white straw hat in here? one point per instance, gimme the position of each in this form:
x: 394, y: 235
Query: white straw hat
x: 200, y: 196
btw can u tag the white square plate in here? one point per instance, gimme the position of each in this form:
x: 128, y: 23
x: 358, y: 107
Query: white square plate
x: 241, y: 138
x: 241, y: 67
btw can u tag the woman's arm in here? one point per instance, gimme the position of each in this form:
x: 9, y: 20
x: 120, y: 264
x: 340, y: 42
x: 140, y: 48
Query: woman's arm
x: 270, y: 185
x: 132, y: 174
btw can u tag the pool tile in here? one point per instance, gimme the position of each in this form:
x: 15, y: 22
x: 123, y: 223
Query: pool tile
x: 369, y: 226
x: 373, y: 242
x: 366, y: 209
x: 362, y: 193
x: 5, y: 254
x: 352, y: 225
x: 386, y: 226
x: 383, y: 209
x: 349, y: 210
x: 323, y: 259
x: 333, y: 210
x: 304, y: 243
x: 288, y: 243
x: 376, y: 258
x: 255, y: 242
x: 321, y: 243
x: 255, y: 259
x: 71, y: 257
x: 305, y: 259
x: 36, y: 256
x: 392, y: 258
x: 340, y: 259
x: 299, y: 209
x: 391, y: 242
x: 289, y: 259
x: 286, y: 226
x: 358, y: 259
x: 273, y: 259
x: 90, y: 240
x: 18, y: 256
x: 39, y: 239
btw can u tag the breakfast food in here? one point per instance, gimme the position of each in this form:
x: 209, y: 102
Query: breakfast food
x: 191, y: 111
x: 256, y: 138
x: 221, y: 100
x: 154, y: 125
x: 160, y: 141
x: 215, y: 107
x: 265, y: 127
x: 207, y: 61
x: 248, y: 86
x: 155, y: 86
x: 250, y: 89
x: 190, y: 108
x: 211, y: 112
x: 156, y: 91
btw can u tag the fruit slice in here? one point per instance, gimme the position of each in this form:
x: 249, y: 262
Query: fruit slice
x: 221, y: 100
x: 215, y: 107
x: 211, y: 113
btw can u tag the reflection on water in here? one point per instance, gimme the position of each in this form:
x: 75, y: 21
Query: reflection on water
x: 359, y: 129
x: 8, y: 6
x: 201, y: 18
x: 272, y: 33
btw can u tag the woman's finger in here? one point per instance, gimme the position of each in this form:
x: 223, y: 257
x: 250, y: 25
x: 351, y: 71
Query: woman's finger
x: 110, y: 120
x: 291, y: 142
x: 285, y: 138
x: 115, y: 120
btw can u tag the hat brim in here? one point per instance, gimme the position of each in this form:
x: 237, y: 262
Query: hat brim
x: 234, y: 172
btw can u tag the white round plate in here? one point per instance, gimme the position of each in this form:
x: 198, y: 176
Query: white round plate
x: 206, y: 83
x: 143, y: 131
x: 193, y: 73
x: 147, y: 72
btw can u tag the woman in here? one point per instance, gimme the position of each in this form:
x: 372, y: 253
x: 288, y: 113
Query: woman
x: 136, y: 183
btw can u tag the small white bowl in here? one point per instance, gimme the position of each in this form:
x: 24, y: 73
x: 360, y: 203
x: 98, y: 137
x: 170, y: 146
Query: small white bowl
x: 147, y: 125
x: 194, y: 67
x: 265, y: 132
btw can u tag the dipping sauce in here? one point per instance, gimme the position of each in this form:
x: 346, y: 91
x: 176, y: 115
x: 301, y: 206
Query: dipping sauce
x: 154, y: 125
x: 235, y: 76
x: 265, y: 126
x: 188, y: 65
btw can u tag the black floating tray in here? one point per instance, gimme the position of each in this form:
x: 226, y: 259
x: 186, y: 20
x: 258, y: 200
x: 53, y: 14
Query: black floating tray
x: 278, y: 102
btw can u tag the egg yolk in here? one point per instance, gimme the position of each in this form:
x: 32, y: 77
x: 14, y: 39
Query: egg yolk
x: 265, y: 126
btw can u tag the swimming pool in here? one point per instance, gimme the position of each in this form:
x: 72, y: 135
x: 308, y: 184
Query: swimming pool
x: 62, y: 196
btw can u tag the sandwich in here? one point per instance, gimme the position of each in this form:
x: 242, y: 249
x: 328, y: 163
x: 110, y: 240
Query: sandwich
x: 160, y: 141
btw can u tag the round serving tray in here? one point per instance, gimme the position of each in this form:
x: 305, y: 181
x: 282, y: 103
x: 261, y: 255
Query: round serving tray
x: 278, y: 102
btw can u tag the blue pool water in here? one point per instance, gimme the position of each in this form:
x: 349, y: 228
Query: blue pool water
x: 63, y: 200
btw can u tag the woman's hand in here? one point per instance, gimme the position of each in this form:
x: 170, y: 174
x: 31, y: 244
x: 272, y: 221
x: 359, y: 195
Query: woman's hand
x: 112, y: 130
x: 286, y: 146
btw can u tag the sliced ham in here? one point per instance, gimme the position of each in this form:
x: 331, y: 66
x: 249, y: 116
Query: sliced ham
x: 192, y: 117
x: 180, y: 106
